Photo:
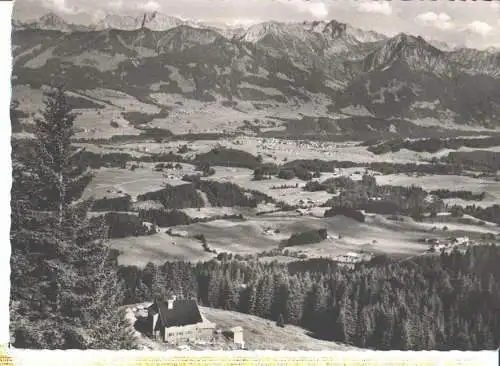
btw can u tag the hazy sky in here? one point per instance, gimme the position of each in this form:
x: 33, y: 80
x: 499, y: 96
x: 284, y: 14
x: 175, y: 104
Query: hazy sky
x: 470, y: 23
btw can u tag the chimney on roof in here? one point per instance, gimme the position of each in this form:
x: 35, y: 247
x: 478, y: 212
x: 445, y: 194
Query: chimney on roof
x: 170, y: 302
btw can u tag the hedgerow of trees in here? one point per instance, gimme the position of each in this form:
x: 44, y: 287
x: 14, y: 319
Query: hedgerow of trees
x: 431, y: 145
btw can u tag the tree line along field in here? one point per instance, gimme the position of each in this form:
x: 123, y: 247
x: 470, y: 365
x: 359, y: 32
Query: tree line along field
x: 432, y: 145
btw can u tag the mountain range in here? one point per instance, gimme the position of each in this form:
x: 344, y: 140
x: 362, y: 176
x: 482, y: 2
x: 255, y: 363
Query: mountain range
x: 354, y: 73
x: 151, y: 20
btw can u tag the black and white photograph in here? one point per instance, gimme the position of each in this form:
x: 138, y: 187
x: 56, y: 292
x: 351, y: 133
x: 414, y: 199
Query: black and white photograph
x: 247, y: 175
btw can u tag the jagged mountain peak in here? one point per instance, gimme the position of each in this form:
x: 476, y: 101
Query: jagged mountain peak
x: 125, y: 22
x: 160, y: 22
x: 51, y: 18
x: 405, y: 44
x: 258, y: 31
x: 408, y: 40
x: 286, y: 39
x: 414, y: 51
x: 50, y: 21
x: 152, y: 20
x: 335, y: 29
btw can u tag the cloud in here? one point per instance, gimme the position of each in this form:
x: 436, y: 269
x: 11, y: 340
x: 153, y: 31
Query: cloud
x: 317, y: 9
x: 115, y: 5
x: 59, y: 6
x: 242, y: 22
x: 481, y: 28
x: 98, y: 15
x: 431, y: 19
x: 376, y: 7
x: 151, y: 5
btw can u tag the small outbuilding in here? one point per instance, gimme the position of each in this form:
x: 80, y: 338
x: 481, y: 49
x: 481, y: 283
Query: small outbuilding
x: 235, y: 335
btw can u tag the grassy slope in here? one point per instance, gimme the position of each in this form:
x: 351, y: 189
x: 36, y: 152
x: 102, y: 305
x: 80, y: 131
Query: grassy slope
x: 262, y: 334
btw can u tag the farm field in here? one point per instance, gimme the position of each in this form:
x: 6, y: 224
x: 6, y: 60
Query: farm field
x: 109, y: 181
x: 158, y: 248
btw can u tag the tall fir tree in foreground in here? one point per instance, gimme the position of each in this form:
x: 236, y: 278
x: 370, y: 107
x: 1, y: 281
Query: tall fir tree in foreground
x: 64, y: 292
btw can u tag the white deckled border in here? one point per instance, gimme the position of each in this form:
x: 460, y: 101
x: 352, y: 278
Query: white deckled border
x: 80, y: 358
x: 77, y: 358
x: 5, y: 167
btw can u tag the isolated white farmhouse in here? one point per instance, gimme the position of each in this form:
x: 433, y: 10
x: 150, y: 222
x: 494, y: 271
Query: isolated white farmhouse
x: 178, y: 321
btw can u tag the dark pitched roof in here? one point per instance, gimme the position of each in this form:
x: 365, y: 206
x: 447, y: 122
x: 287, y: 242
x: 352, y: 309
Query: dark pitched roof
x: 183, y: 312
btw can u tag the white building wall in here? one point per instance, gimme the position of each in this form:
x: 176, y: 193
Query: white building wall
x: 203, y: 330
